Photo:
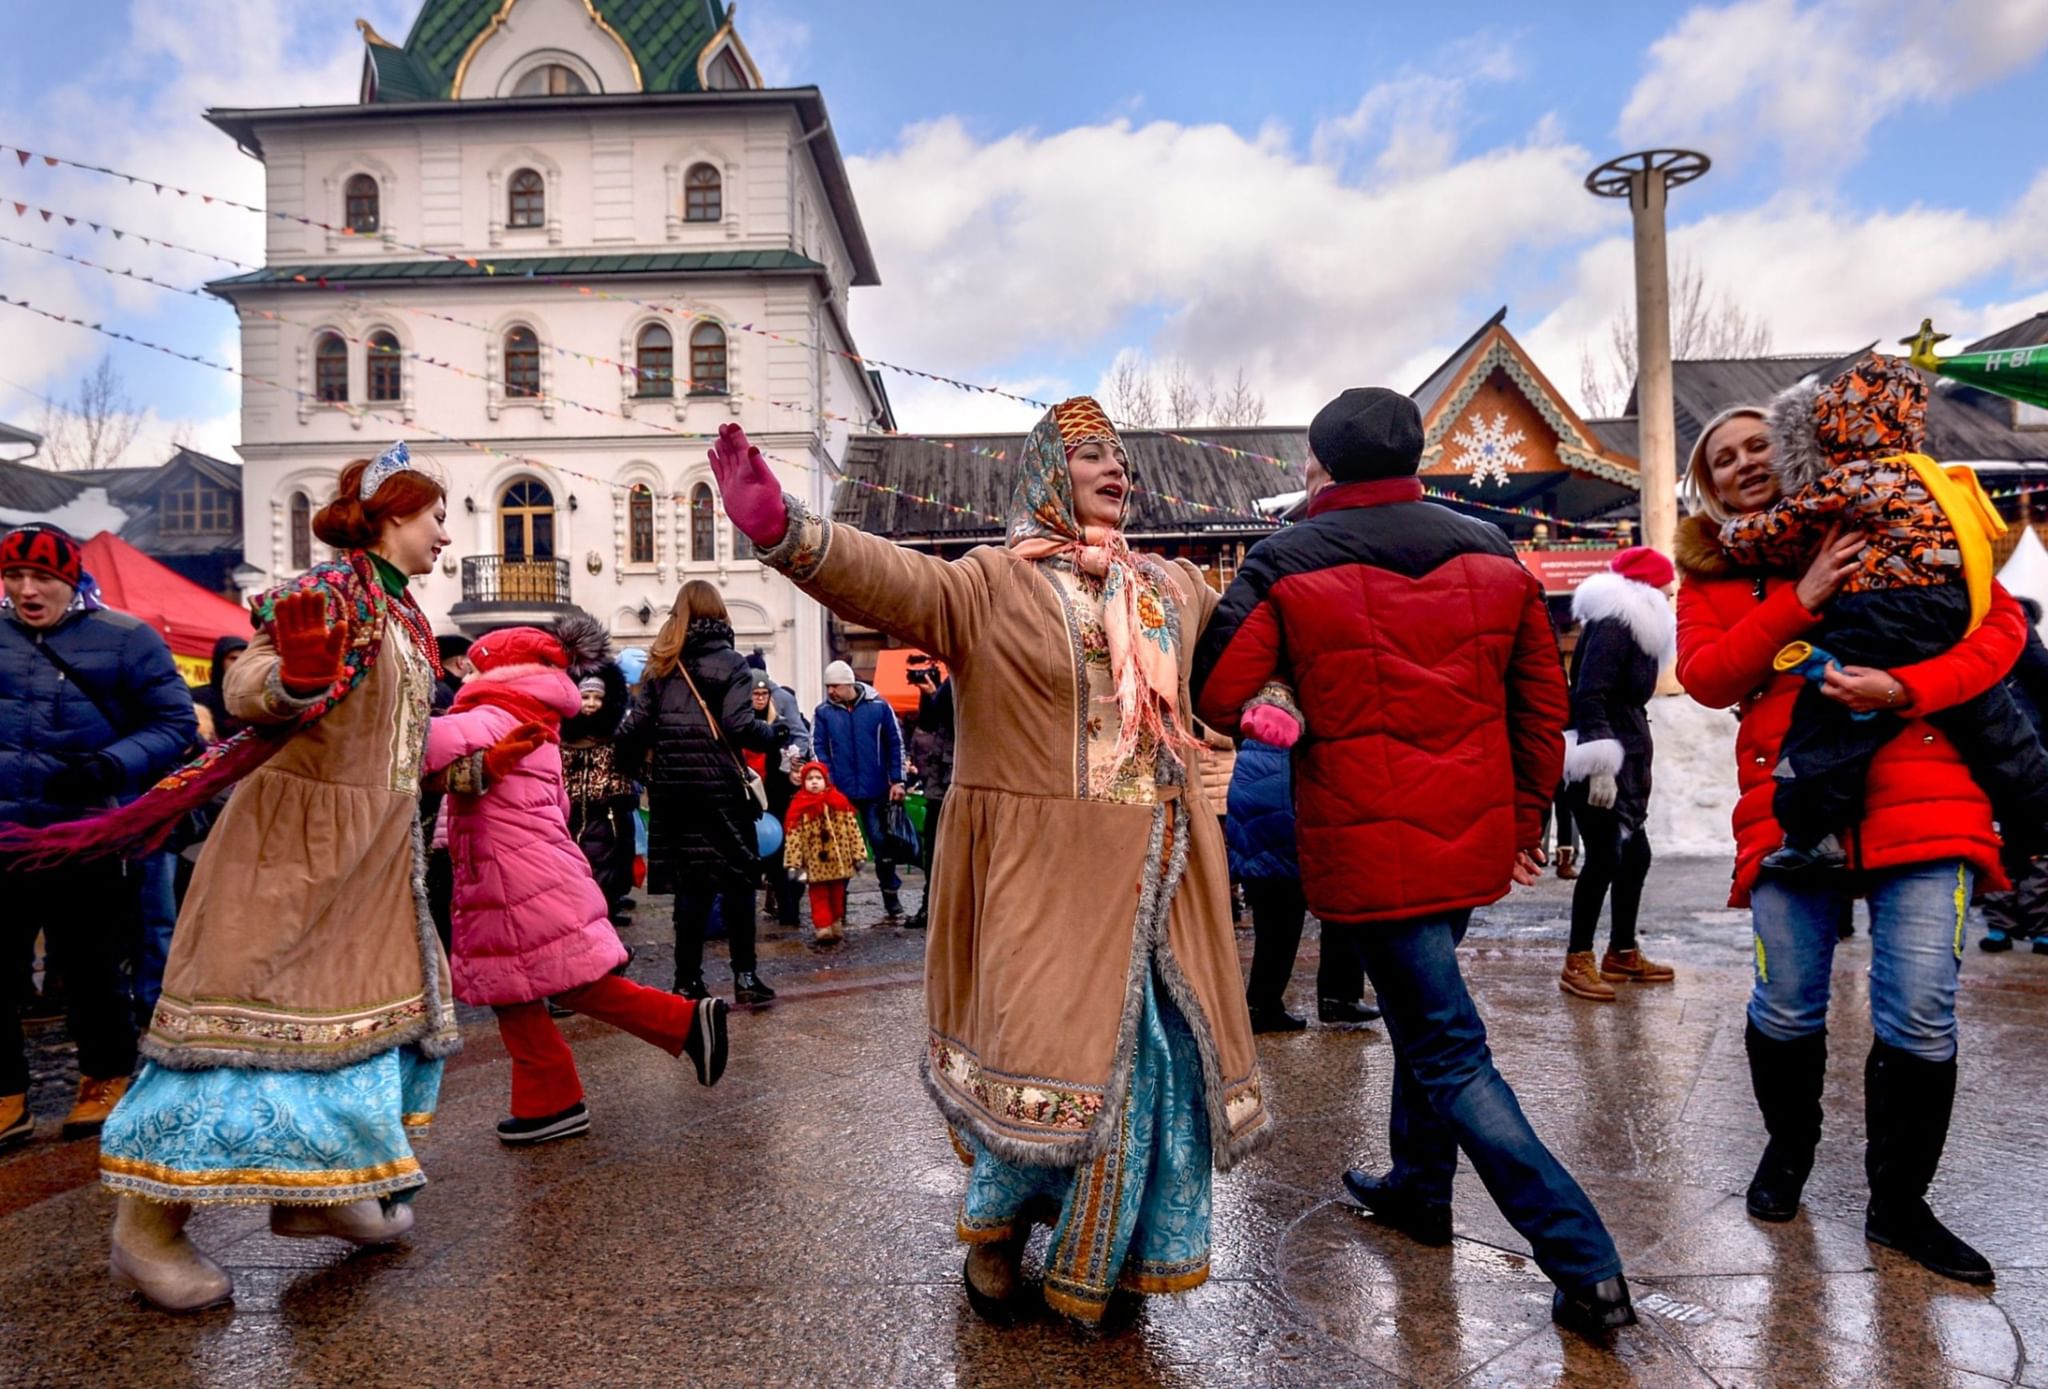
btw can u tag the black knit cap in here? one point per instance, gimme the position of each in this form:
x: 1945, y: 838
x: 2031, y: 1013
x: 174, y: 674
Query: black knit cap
x: 452, y: 645
x: 1367, y: 432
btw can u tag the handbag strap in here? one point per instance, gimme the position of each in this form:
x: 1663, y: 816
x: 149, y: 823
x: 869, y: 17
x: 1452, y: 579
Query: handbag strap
x: 717, y: 728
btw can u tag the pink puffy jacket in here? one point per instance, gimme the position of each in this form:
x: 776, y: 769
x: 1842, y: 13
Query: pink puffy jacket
x: 529, y: 919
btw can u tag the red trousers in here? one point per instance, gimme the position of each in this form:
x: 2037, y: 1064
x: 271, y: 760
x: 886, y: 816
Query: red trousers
x: 828, y: 904
x: 544, y: 1079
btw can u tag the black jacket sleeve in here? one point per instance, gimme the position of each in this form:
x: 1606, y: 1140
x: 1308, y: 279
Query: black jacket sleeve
x: 1605, y: 650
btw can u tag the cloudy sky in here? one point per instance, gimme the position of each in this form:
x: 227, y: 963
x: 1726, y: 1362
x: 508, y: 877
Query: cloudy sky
x: 1322, y: 194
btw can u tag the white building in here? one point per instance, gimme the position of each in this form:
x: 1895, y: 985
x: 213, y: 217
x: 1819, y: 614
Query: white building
x: 576, y: 205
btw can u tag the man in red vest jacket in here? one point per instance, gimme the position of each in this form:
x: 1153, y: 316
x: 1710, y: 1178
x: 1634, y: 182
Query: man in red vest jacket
x: 1418, y: 653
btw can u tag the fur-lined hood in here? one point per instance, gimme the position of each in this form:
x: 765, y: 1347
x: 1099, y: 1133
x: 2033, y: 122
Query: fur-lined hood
x: 602, y: 725
x: 585, y: 642
x: 1643, y: 610
x: 1875, y: 408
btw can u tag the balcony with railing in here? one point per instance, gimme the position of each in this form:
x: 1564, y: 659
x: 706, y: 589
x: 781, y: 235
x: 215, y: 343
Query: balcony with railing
x: 502, y: 589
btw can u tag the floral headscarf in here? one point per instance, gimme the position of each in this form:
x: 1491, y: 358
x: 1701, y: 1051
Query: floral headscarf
x: 1136, y: 613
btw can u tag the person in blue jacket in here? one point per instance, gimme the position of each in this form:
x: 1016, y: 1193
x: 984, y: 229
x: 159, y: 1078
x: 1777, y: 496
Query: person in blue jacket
x: 92, y: 712
x: 855, y: 734
x: 1260, y: 830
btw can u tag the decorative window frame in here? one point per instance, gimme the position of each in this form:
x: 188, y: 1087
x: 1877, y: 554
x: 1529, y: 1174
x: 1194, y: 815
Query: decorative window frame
x: 686, y: 321
x: 499, y: 178
x: 310, y: 403
x: 678, y: 323
x: 685, y: 158
x: 408, y: 375
x: 490, y: 497
x: 686, y: 550
x: 335, y: 201
x: 316, y: 482
x: 640, y: 471
x: 496, y: 401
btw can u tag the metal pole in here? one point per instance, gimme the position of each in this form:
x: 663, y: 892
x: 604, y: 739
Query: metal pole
x: 1657, y: 433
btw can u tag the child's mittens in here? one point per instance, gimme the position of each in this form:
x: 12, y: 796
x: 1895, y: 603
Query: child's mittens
x: 510, y: 750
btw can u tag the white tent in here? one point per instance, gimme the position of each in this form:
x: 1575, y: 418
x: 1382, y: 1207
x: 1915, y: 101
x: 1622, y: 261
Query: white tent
x: 2025, y: 575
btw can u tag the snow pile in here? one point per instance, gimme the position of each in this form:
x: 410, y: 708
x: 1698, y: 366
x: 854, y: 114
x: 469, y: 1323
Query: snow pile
x: 85, y: 515
x: 1692, y: 796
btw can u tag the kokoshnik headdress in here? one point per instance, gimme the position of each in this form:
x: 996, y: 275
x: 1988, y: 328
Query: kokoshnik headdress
x: 396, y: 459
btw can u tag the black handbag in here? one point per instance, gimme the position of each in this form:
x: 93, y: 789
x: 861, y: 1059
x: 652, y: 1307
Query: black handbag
x: 899, y: 837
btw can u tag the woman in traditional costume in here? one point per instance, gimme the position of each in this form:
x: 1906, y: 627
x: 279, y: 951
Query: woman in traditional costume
x: 1088, y: 1040
x: 306, y: 1009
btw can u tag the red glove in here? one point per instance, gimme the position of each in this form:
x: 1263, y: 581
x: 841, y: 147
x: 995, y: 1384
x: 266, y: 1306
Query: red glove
x: 308, y: 650
x: 753, y: 498
x: 512, y: 749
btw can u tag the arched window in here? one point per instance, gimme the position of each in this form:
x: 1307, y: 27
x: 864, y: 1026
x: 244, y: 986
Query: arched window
x: 551, y: 79
x: 654, y: 359
x: 359, y: 203
x: 330, y: 369
x: 522, y: 364
x: 703, y: 523
x: 529, y: 200
x: 742, y: 548
x: 302, y: 531
x: 640, y: 524
x: 386, y: 366
x: 703, y: 198
x: 707, y: 360
x: 526, y: 519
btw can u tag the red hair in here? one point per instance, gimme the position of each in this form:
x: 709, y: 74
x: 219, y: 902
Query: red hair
x: 349, y: 524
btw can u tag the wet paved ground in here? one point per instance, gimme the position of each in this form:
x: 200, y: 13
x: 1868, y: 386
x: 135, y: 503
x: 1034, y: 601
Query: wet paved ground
x: 793, y: 1226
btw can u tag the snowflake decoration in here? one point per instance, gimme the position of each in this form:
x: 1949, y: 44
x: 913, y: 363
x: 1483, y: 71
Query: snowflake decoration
x: 1489, y: 450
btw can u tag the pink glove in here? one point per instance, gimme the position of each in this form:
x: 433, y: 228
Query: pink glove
x: 1269, y: 723
x: 753, y: 498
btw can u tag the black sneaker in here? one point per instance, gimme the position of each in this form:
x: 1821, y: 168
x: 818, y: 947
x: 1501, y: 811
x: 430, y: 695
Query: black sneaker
x: 748, y: 988
x: 1594, y: 1311
x: 570, y: 1122
x: 707, y: 1043
x: 1995, y: 941
x: 622, y: 966
x: 1788, y: 858
x: 920, y: 922
x: 1425, y: 1222
x: 692, y: 988
x: 1343, y: 1012
x: 556, y: 1010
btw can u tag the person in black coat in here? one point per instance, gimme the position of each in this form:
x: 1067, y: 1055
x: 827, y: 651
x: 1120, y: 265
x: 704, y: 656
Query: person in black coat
x: 602, y: 797
x: 700, y: 836
x: 1628, y: 635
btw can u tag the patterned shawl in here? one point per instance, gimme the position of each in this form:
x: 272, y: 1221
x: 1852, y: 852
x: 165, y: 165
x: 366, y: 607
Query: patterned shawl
x: 1140, y: 630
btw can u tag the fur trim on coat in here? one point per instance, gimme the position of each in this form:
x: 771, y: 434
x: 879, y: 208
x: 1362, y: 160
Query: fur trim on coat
x: 1643, y: 610
x: 1799, y: 460
x: 1584, y: 761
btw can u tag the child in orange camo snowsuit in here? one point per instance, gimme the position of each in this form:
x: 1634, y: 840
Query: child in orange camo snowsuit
x: 823, y: 847
x: 1843, y: 460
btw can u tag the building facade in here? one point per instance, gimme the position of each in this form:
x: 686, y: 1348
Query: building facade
x: 554, y: 246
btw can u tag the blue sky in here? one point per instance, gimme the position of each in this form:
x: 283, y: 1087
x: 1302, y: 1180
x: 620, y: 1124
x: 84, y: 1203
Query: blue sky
x: 1320, y: 194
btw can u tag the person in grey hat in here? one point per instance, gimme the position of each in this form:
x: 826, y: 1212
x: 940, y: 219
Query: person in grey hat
x: 855, y: 734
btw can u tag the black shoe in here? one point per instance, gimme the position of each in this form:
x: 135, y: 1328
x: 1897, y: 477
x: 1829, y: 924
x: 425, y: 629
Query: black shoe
x: 1789, y: 859
x: 1594, y: 1311
x: 920, y: 922
x: 692, y: 988
x: 625, y: 904
x: 707, y: 1044
x: 1907, y: 1103
x: 1995, y: 942
x: 1344, y: 1012
x: 556, y: 1010
x: 1425, y: 1222
x: 892, y: 907
x: 622, y: 966
x: 1787, y: 1078
x: 570, y: 1122
x: 748, y: 988
x: 2040, y: 946
x: 1276, y: 1020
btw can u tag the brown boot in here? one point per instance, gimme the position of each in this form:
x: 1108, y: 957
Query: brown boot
x: 1567, y: 863
x: 994, y: 1279
x: 151, y: 1255
x: 366, y: 1222
x: 17, y: 1125
x: 1632, y: 966
x: 1581, y: 980
x: 96, y: 1100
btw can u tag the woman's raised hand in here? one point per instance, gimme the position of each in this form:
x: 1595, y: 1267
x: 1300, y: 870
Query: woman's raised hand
x: 753, y: 498
x: 308, y: 650
x: 1837, y: 560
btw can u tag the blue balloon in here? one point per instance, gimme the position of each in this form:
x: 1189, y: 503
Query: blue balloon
x: 767, y: 834
x: 633, y: 661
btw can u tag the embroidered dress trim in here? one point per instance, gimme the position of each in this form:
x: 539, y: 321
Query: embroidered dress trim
x: 179, y: 1022
x: 1029, y: 1105
x: 252, y: 1185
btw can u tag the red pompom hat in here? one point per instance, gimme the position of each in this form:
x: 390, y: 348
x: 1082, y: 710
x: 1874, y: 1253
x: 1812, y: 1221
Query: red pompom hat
x: 517, y: 646
x: 1643, y: 564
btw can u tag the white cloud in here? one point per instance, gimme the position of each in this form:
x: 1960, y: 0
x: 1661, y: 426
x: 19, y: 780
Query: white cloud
x: 779, y: 44
x: 1247, y: 251
x: 1815, y: 78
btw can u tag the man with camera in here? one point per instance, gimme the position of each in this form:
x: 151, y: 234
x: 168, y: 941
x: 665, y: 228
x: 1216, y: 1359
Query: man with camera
x: 931, y: 757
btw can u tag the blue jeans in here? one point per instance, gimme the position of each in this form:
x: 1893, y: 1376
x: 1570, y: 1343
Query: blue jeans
x: 1916, y: 953
x: 159, y: 916
x: 871, y: 813
x: 1447, y: 1096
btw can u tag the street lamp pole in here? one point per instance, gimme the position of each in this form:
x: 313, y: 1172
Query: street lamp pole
x: 1646, y: 179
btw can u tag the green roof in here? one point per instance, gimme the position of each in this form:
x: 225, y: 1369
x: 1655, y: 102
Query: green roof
x: 526, y: 267
x: 665, y: 37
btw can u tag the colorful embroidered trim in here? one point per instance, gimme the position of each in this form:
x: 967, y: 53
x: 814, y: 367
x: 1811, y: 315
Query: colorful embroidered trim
x: 180, y: 1024
x: 1028, y: 1103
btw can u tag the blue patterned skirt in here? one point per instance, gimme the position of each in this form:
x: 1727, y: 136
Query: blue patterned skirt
x: 1137, y: 1215
x: 229, y: 1134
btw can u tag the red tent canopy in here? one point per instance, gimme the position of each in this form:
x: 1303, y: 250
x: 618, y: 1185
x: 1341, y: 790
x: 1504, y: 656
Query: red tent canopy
x: 189, y: 617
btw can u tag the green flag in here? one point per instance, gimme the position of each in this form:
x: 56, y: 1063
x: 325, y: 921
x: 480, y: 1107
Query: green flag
x: 2018, y: 373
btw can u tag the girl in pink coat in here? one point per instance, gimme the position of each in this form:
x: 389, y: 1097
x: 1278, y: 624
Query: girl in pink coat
x: 530, y: 922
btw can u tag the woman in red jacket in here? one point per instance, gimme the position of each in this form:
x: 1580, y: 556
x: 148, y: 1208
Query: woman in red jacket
x: 1924, y: 842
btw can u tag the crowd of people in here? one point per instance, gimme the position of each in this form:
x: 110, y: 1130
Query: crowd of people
x: 356, y: 824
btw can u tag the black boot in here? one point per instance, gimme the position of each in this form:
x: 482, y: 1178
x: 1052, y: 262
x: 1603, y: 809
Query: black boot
x: 1594, y: 1311
x: 749, y: 989
x: 1907, y: 1101
x: 1787, y: 1078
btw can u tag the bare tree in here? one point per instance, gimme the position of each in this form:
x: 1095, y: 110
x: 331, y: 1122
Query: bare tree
x: 95, y: 427
x: 1704, y: 324
x: 1240, y: 404
x: 1188, y: 401
x: 1132, y: 399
